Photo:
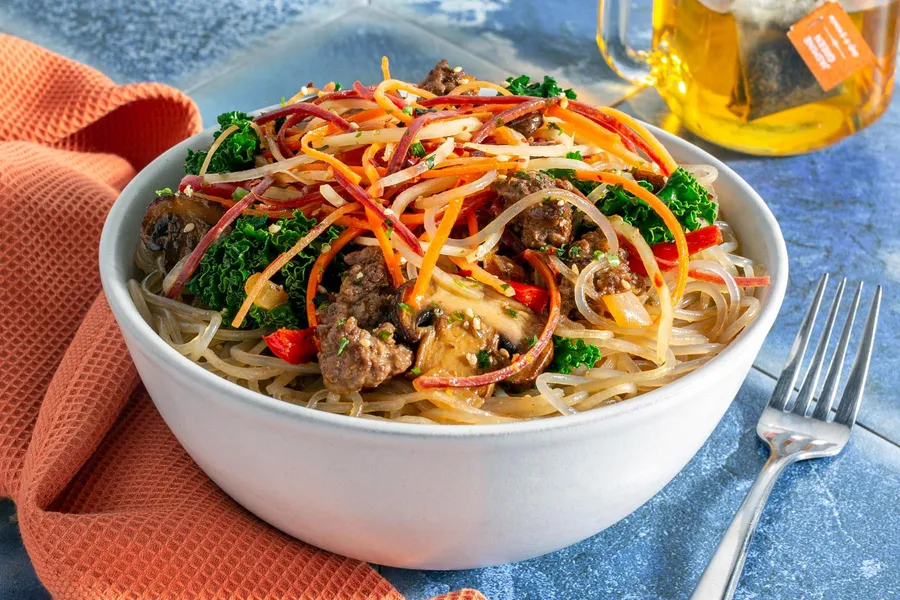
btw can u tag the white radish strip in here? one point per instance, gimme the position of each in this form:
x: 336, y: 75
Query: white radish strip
x: 423, y: 188
x: 259, y: 172
x: 331, y: 196
x: 439, y: 200
x: 540, y: 164
x: 440, y: 129
x: 598, y: 193
x: 495, y: 228
x: 427, y: 163
x: 557, y: 150
x: 734, y: 292
x: 215, y: 146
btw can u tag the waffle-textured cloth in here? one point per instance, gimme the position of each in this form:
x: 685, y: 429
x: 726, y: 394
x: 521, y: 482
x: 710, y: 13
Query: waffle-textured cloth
x: 110, y: 506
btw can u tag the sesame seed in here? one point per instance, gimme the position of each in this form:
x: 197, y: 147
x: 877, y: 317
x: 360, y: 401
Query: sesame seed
x: 501, y: 177
x: 473, y: 360
x: 470, y: 313
x: 189, y: 228
x: 354, y: 125
x: 365, y: 343
x: 626, y: 285
x: 465, y: 324
x: 457, y: 69
x: 188, y: 191
x: 504, y: 352
x: 274, y: 228
x: 476, y: 323
x: 388, y: 212
x: 502, y: 157
x: 402, y: 260
x: 359, y: 276
x: 304, y: 90
x: 321, y: 289
x: 464, y: 81
x: 564, y: 103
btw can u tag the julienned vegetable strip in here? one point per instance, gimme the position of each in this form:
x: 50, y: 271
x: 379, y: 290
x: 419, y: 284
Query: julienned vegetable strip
x: 215, y: 146
x: 662, y: 210
x: 523, y: 360
x: 510, y: 114
x: 339, y: 167
x: 409, y: 136
x: 592, y: 132
x: 390, y: 257
x: 305, y: 109
x: 213, y: 234
x: 367, y: 201
x: 318, y: 271
x: 434, y: 250
x: 284, y: 258
x: 390, y: 85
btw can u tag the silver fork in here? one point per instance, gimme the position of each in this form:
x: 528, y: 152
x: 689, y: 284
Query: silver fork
x: 792, y: 433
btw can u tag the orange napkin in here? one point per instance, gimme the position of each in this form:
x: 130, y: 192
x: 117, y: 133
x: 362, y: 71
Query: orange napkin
x: 110, y: 506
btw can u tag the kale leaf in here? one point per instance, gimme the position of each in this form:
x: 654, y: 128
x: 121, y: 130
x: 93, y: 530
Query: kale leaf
x: 522, y: 86
x: 585, y: 187
x: 249, y: 248
x: 236, y: 152
x: 569, y: 354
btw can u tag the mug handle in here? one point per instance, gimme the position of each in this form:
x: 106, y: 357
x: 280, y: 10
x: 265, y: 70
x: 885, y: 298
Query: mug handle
x: 628, y: 63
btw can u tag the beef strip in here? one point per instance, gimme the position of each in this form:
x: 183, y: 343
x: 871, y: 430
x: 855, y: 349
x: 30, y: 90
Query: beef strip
x: 504, y: 268
x: 527, y: 124
x: 353, y: 358
x: 442, y: 79
x: 547, y: 222
x: 175, y: 223
x: 359, y: 315
x: 607, y: 280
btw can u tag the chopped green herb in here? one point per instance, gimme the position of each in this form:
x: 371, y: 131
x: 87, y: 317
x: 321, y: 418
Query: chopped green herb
x: 325, y: 147
x: 234, y: 154
x: 531, y: 341
x: 283, y: 103
x: 456, y: 316
x: 554, y: 127
x: 338, y: 87
x: 569, y: 354
x: 164, y: 192
x: 506, y: 287
x: 500, y: 122
x: 341, y: 322
x: 238, y: 194
x: 574, y: 251
x: 421, y: 111
x: 384, y: 334
x: 417, y: 149
x: 388, y: 228
x: 416, y: 371
x: 522, y: 86
x: 511, y: 312
x: 484, y: 359
x: 429, y: 160
x: 407, y: 110
x: 405, y: 307
x: 358, y: 134
x: 611, y: 257
x: 342, y: 345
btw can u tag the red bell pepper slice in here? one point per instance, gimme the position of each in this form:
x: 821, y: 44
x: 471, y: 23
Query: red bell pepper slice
x: 531, y: 296
x: 697, y: 240
x: 294, y: 346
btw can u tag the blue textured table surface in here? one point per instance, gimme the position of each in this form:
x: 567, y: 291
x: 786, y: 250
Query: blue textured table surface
x: 830, y: 530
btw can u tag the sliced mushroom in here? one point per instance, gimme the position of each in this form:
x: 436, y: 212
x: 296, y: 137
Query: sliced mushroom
x: 458, y: 345
x: 174, y: 224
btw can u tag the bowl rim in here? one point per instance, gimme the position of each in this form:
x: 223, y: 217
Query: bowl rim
x: 128, y: 317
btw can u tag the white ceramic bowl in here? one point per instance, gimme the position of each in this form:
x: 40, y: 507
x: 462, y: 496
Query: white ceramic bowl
x: 437, y: 497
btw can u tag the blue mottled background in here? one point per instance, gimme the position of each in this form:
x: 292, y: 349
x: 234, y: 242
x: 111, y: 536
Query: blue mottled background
x: 831, y: 528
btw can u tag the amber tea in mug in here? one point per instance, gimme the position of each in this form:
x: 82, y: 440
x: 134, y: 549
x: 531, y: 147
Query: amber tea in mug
x: 763, y: 76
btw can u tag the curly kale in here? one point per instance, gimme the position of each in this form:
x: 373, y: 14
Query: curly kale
x: 249, y: 248
x: 236, y: 152
x: 569, y: 354
x: 522, y: 86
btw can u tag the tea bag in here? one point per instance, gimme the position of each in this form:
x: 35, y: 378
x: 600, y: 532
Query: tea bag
x: 773, y: 76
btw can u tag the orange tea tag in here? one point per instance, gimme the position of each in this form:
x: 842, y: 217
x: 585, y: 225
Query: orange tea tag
x: 830, y: 44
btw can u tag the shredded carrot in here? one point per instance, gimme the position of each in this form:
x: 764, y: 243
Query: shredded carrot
x: 318, y: 134
x: 434, y: 250
x: 318, y: 271
x: 470, y: 169
x: 385, y: 67
x: 390, y: 257
x: 649, y: 138
x: 472, y: 222
x: 368, y: 166
x: 392, y: 84
x: 412, y: 218
x: 478, y: 85
x: 592, y: 132
x: 366, y: 115
x: 479, y: 274
x: 284, y: 258
x: 662, y: 210
x: 351, y: 222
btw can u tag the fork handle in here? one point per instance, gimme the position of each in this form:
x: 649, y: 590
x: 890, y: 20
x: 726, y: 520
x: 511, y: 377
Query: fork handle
x: 721, y: 576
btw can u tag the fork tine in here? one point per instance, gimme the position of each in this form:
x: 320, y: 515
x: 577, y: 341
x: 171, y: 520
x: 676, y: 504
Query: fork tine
x: 833, y: 378
x: 815, y: 368
x: 856, y: 381
x: 785, y: 384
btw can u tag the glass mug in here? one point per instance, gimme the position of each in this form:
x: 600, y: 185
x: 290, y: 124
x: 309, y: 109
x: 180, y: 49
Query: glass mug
x: 728, y: 71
